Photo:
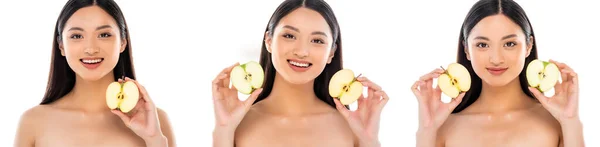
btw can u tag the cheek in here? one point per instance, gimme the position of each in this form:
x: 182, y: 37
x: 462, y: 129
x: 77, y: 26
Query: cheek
x: 479, y: 58
x: 72, y: 49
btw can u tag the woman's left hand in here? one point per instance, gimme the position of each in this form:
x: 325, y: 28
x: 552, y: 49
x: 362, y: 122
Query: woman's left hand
x: 143, y: 119
x: 564, y: 104
x: 364, y: 122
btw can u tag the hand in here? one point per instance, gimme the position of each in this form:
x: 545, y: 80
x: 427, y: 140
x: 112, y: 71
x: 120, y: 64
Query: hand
x: 229, y: 110
x: 364, y: 122
x: 432, y: 111
x: 143, y: 119
x: 564, y: 104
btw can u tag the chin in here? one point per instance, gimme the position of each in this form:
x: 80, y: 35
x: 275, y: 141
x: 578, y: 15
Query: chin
x: 296, y: 79
x: 92, y: 75
x: 498, y: 81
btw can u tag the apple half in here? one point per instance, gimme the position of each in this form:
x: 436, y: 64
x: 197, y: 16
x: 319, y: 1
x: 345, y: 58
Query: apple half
x: 122, y: 96
x: 542, y: 75
x: 455, y: 80
x: 247, y: 77
x: 344, y: 86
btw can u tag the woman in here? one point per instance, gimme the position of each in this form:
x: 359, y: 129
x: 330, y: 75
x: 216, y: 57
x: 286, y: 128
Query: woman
x: 496, y: 43
x: 300, y: 53
x: 90, y: 50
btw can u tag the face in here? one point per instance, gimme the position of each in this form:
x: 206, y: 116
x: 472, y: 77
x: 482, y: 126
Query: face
x: 497, y: 49
x: 91, y: 43
x: 301, y: 46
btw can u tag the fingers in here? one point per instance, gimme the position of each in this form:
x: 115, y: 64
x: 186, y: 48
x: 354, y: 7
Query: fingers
x: 456, y: 101
x: 427, y: 80
x: 368, y: 83
x: 384, y: 100
x: 218, y: 81
x: 433, y: 74
x: 252, y: 98
x: 123, y: 117
x: 415, y: 90
x: 539, y: 96
x: 338, y: 105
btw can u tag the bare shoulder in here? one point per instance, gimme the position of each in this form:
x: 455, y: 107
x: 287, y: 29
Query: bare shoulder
x: 35, y: 114
x: 28, y: 124
x: 165, y: 126
x: 544, y: 120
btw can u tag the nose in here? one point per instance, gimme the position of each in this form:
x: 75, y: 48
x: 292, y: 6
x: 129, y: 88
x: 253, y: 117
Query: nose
x: 91, y: 47
x: 497, y: 56
x: 301, y: 50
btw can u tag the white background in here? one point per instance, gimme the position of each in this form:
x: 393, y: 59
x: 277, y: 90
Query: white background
x: 179, y: 46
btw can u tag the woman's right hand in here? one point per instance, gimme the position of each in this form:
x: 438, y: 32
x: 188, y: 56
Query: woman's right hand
x: 432, y: 111
x: 229, y: 110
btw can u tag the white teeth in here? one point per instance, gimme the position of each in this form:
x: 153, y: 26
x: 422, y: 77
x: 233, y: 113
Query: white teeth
x: 91, y: 61
x: 298, y: 64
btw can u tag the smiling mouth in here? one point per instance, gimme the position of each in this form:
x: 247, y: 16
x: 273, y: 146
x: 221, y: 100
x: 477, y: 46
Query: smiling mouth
x: 91, y: 61
x: 299, y: 64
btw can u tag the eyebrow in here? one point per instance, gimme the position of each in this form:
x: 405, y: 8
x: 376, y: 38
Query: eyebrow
x: 505, y: 37
x: 291, y: 28
x: 298, y: 30
x: 509, y: 36
x: 319, y: 33
x: 97, y: 28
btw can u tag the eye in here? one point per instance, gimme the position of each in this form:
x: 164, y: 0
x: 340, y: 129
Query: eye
x: 289, y: 36
x: 104, y: 35
x: 319, y: 41
x: 76, y: 36
x: 482, y: 45
x: 510, y: 44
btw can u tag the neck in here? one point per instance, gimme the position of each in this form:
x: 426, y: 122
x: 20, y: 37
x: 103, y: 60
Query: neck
x: 291, y: 99
x: 90, y: 95
x: 501, y: 99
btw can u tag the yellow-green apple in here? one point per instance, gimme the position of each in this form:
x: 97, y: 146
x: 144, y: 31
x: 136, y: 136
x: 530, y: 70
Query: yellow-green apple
x: 455, y: 80
x: 122, y: 96
x: 344, y: 86
x: 247, y: 77
x: 542, y: 75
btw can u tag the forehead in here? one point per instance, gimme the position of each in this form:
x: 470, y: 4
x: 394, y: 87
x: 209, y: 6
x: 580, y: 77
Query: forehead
x: 90, y: 17
x: 496, y: 27
x: 306, y: 20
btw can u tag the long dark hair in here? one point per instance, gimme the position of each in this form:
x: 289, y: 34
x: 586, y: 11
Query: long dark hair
x: 480, y: 10
x: 62, y: 78
x: 322, y: 81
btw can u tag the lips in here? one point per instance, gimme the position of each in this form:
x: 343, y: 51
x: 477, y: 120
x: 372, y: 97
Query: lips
x: 299, y: 65
x: 496, y: 70
x: 91, y: 63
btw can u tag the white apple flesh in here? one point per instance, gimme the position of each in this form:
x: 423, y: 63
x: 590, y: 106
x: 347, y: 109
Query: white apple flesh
x: 247, y: 77
x: 542, y: 75
x: 455, y: 80
x: 344, y: 86
x: 122, y: 96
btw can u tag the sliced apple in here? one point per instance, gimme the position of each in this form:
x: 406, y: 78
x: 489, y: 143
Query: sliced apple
x: 247, y: 77
x: 542, y: 75
x: 122, y: 96
x: 455, y: 80
x: 344, y: 86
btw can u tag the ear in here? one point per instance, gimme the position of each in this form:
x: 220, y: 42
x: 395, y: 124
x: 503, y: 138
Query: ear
x: 529, y: 46
x: 61, y: 47
x: 123, y: 45
x: 466, y: 50
x: 331, y: 53
x: 268, y: 41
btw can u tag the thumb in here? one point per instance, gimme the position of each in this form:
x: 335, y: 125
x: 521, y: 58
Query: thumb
x: 539, y: 96
x: 123, y: 117
x: 338, y: 105
x: 253, y: 97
